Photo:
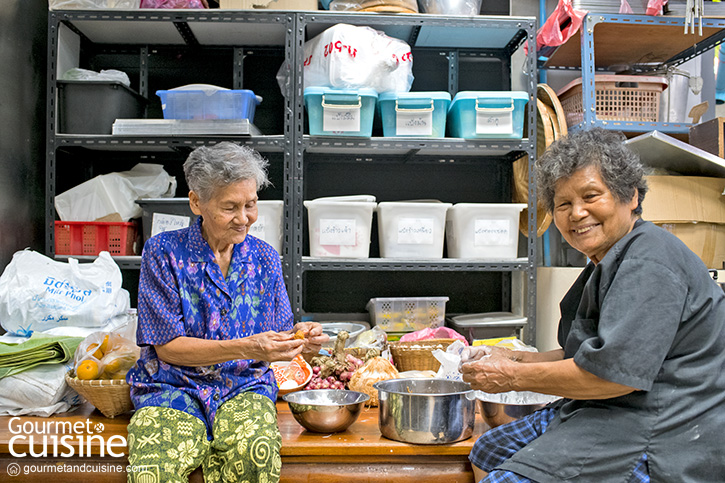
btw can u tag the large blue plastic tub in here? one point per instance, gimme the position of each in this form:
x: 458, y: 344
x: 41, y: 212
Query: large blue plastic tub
x: 340, y: 112
x: 209, y: 104
x: 487, y: 114
x: 419, y: 114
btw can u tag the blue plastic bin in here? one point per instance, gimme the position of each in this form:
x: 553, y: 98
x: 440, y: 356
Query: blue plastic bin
x: 340, y: 112
x: 208, y: 104
x: 487, y: 114
x: 419, y: 114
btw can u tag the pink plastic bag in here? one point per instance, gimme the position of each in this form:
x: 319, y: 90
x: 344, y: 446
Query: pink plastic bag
x: 624, y: 8
x: 563, y: 22
x: 438, y: 333
x: 655, y: 7
x: 174, y: 4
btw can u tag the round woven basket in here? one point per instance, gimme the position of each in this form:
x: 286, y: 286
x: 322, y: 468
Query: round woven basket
x: 110, y: 396
x: 418, y: 355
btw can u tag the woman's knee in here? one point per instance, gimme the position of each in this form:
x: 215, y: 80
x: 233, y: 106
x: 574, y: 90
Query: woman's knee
x: 165, y: 444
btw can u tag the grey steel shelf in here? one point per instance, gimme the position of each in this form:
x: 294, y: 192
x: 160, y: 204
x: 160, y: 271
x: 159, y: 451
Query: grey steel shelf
x: 124, y: 262
x: 163, y: 143
x: 394, y: 264
x: 419, y: 146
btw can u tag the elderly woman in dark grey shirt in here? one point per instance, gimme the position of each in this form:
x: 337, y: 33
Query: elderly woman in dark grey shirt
x: 642, y: 331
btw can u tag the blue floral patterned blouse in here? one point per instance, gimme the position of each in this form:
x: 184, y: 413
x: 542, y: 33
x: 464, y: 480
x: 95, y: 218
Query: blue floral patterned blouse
x: 182, y: 292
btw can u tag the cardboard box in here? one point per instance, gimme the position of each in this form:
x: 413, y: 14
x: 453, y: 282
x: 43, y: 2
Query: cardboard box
x: 693, y: 209
x: 268, y: 4
x: 709, y: 136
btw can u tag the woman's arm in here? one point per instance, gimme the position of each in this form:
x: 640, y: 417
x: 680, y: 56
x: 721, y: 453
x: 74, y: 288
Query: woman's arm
x: 267, y: 346
x: 497, y: 373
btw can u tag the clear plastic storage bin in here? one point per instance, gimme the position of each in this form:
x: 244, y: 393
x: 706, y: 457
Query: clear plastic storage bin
x: 407, y: 314
x: 340, y: 226
x: 488, y: 114
x: 340, y: 112
x: 411, y: 229
x: 268, y: 227
x: 208, y: 102
x: 419, y: 114
x: 483, y: 230
x: 488, y: 325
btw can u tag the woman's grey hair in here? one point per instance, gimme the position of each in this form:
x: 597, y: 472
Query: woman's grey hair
x: 619, y: 167
x: 210, y: 167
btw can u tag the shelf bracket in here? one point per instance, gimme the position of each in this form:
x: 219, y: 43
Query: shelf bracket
x: 186, y: 33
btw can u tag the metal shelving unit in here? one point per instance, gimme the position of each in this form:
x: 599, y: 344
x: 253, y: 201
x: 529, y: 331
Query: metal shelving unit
x: 644, y: 44
x: 456, y: 44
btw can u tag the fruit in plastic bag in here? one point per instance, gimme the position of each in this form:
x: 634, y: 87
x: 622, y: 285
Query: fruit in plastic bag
x: 105, y: 355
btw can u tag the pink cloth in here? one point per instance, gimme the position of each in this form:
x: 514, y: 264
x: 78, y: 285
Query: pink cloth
x: 439, y: 333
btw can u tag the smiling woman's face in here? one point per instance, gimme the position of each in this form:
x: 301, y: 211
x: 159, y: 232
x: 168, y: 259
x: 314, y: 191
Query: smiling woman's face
x: 229, y: 213
x: 588, y: 215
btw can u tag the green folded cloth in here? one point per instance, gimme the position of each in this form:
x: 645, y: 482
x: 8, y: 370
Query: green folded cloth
x: 39, y: 349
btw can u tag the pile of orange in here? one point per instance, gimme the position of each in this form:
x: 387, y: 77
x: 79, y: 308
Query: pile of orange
x: 111, y: 359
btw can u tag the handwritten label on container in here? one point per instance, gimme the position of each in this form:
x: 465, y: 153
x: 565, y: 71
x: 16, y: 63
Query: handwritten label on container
x: 162, y: 222
x: 414, y: 123
x: 337, y: 232
x: 415, y: 231
x: 341, y: 118
x: 491, y: 232
x: 257, y: 229
x: 494, y: 121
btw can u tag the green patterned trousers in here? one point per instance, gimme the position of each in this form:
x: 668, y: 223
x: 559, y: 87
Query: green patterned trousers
x: 166, y: 445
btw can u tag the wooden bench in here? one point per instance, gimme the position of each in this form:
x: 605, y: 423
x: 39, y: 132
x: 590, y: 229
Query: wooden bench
x: 360, y: 454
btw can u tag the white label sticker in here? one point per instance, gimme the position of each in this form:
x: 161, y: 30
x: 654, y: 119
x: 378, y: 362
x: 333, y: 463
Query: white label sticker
x: 337, y: 232
x: 415, y: 231
x: 491, y: 232
x: 257, y: 229
x: 161, y: 222
x: 414, y: 123
x: 343, y: 118
x: 494, y: 121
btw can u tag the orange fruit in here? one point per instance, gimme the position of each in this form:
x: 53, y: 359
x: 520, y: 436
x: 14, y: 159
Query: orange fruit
x: 104, y: 344
x: 87, y: 369
x: 95, y: 351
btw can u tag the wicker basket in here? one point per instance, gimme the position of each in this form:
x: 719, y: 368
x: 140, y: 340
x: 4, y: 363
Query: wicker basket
x: 110, y: 396
x: 418, y: 355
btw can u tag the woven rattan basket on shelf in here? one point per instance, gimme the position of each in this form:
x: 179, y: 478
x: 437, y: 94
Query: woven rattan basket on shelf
x: 110, y: 396
x: 418, y: 355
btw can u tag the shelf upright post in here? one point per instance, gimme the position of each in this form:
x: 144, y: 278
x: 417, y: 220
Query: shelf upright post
x: 293, y: 154
x: 51, y: 119
x: 532, y: 87
x: 588, y: 68
x: 453, y: 60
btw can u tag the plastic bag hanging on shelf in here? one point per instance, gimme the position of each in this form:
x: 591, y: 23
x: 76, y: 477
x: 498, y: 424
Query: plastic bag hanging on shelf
x: 563, y: 22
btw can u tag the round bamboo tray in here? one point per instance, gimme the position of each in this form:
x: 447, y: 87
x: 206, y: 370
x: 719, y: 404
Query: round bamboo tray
x: 110, y: 396
x: 418, y: 355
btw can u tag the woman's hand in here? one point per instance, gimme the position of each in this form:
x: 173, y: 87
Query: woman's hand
x: 490, y: 370
x: 273, y: 346
x: 474, y: 353
x: 314, y: 337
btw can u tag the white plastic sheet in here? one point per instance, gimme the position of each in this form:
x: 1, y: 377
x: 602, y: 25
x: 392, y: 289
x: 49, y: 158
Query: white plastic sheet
x: 115, y: 193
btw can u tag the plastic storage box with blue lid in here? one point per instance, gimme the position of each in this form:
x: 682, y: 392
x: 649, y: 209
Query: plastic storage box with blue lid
x: 340, y: 112
x: 420, y: 114
x: 203, y: 101
x: 487, y: 114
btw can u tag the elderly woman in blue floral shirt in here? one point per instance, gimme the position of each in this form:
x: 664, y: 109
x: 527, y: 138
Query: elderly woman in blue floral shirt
x: 213, y: 313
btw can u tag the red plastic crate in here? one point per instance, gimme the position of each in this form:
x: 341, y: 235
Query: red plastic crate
x: 93, y: 237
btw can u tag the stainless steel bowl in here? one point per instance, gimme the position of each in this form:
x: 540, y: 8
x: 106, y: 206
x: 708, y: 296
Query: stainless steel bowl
x: 426, y: 411
x: 326, y: 410
x: 354, y: 329
x: 496, y: 414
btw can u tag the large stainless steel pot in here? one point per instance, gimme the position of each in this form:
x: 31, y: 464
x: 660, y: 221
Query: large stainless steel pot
x: 426, y: 411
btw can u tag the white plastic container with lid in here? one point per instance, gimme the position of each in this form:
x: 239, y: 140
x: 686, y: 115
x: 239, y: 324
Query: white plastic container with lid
x: 487, y: 325
x: 411, y: 229
x: 483, y: 230
x: 487, y: 114
x: 420, y: 114
x: 268, y: 226
x: 340, y: 226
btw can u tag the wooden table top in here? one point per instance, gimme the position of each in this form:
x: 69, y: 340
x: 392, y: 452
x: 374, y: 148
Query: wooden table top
x: 361, y: 438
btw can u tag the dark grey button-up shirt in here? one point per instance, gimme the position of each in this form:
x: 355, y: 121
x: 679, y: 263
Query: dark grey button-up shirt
x: 650, y: 317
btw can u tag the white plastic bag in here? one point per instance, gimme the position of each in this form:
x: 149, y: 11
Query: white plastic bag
x: 350, y: 57
x: 40, y: 391
x: 115, y: 193
x: 38, y: 293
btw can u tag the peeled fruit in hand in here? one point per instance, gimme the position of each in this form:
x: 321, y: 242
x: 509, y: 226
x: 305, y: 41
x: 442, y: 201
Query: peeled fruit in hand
x: 87, y: 369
